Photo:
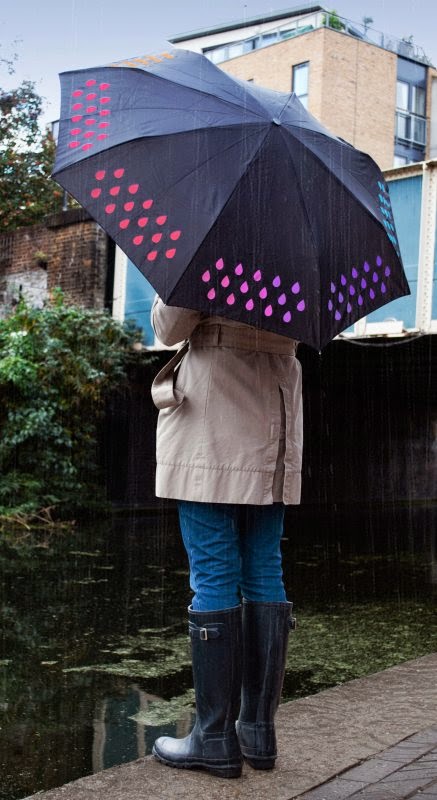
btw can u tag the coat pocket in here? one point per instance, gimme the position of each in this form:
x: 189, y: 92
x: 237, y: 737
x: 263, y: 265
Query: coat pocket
x: 165, y: 393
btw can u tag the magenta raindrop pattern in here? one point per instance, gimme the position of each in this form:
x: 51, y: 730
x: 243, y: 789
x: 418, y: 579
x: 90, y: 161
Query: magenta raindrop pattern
x: 246, y: 288
x: 90, y: 115
x: 135, y: 217
x: 361, y: 286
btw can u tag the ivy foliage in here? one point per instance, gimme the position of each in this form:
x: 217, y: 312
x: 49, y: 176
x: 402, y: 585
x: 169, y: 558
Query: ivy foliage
x: 27, y: 193
x: 57, y: 365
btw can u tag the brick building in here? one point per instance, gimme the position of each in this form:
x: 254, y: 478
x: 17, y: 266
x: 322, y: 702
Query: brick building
x: 373, y: 90
x: 69, y: 250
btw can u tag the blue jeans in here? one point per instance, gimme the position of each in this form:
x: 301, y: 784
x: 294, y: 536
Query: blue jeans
x: 233, y: 552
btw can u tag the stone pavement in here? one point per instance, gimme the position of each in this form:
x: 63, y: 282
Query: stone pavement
x: 374, y: 738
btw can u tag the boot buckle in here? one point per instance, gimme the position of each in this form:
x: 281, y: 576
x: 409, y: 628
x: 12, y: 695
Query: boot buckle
x: 203, y: 634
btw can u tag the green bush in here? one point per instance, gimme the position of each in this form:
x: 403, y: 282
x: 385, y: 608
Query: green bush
x: 57, y: 364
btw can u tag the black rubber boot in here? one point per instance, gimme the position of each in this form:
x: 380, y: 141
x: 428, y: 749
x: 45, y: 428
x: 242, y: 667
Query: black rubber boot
x: 265, y: 639
x: 212, y: 745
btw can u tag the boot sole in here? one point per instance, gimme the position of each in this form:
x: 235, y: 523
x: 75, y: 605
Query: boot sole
x: 255, y: 763
x: 221, y: 772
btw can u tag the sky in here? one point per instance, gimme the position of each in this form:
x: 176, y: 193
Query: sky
x: 56, y: 35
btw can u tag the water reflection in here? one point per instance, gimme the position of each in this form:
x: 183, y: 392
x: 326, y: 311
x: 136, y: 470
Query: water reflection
x: 94, y: 660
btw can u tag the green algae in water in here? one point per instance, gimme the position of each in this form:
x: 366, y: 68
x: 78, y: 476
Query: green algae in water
x: 164, y: 712
x: 171, y: 656
x: 351, y: 641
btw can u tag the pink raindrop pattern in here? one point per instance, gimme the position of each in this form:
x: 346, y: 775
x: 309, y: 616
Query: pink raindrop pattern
x: 136, y: 219
x: 367, y: 284
x: 251, y: 288
x: 90, y: 114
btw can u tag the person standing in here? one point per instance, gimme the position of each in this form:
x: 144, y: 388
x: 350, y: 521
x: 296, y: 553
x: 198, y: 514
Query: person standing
x: 229, y: 450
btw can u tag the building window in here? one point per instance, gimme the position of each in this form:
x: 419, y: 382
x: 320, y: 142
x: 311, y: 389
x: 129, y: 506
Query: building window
x: 299, y: 83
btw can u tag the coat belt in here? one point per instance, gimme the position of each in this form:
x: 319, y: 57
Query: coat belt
x: 244, y: 338
x: 164, y: 392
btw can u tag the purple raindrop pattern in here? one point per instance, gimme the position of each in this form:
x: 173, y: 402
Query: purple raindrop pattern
x: 248, y: 288
x: 351, y: 291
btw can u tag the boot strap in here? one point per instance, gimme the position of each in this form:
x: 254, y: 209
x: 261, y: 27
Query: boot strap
x: 292, y: 623
x: 204, y: 632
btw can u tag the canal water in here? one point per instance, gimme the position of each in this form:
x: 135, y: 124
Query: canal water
x: 94, y: 659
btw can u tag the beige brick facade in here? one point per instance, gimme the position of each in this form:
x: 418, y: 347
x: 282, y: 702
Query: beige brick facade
x: 352, y: 85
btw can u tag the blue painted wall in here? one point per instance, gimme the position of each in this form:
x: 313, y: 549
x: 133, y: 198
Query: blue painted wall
x: 139, y: 299
x: 405, y: 195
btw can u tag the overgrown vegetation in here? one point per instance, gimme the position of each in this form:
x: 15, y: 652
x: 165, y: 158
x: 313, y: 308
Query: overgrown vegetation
x: 27, y: 193
x: 56, y: 366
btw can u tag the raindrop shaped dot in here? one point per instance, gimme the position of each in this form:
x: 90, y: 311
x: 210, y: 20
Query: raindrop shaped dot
x: 360, y: 300
x: 268, y: 311
x: 287, y: 316
x: 296, y: 287
x: 206, y: 276
x: 378, y: 261
x: 375, y: 277
x: 257, y: 275
x: 263, y: 293
x: 244, y: 287
x: 387, y: 272
x: 276, y: 281
x: 333, y: 288
x: 383, y: 288
x: 330, y: 305
x: 340, y: 297
x: 337, y: 315
x: 301, y: 305
x: 238, y: 269
x: 354, y: 272
x: 372, y: 294
x: 349, y: 308
x: 219, y: 263
x: 249, y: 305
x: 363, y: 283
x: 366, y: 267
x: 211, y: 294
x: 225, y: 282
x: 343, y: 280
x: 230, y: 300
x: 282, y: 299
x: 351, y: 290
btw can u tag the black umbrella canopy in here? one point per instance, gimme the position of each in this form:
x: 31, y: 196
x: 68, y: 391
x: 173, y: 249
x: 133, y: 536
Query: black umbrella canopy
x: 229, y: 198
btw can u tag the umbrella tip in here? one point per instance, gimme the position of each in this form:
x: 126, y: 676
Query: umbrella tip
x: 276, y: 121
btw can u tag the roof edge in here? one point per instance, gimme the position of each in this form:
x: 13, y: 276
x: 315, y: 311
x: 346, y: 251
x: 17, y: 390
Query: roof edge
x: 306, y: 8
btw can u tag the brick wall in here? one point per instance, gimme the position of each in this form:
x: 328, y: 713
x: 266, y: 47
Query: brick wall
x: 352, y: 85
x: 75, y: 252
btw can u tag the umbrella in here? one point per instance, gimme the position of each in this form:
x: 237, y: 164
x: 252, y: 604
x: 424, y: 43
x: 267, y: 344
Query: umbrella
x: 229, y: 198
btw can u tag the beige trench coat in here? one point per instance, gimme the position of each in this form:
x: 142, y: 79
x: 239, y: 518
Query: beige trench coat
x: 232, y: 428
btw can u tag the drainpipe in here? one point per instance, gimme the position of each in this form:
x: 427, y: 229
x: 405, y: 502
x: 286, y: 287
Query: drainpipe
x: 427, y: 241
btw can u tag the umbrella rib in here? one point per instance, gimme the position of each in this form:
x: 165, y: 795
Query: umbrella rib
x: 235, y: 104
x: 313, y: 238
x: 255, y: 154
x: 336, y: 177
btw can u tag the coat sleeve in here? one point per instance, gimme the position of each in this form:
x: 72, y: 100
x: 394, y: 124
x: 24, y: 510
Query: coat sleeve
x: 173, y: 324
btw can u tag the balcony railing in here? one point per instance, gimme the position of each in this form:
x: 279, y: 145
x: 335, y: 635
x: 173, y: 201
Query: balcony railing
x: 309, y: 22
x: 410, y: 128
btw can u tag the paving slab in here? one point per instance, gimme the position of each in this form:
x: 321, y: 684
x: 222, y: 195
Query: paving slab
x: 319, y: 738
